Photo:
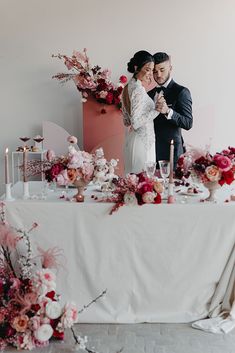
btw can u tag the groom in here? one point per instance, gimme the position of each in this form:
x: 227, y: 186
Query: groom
x: 174, y: 104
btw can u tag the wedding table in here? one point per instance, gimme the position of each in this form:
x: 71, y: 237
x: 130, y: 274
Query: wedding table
x: 159, y: 263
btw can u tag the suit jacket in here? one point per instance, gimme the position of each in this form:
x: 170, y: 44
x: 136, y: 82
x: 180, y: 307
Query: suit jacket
x: 179, y: 100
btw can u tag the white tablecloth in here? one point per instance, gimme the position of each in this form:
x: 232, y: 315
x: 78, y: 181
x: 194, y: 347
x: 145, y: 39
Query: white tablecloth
x: 159, y: 263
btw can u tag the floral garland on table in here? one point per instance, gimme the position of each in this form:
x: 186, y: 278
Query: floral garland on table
x: 206, y: 167
x: 134, y: 189
x: 76, y: 165
x: 91, y: 80
x: 30, y: 309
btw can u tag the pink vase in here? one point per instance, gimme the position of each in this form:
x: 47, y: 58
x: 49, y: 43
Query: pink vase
x: 103, y: 130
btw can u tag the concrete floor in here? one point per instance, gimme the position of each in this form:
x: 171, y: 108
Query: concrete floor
x: 145, y: 338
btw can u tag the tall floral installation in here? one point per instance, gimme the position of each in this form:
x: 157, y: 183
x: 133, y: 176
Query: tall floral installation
x: 31, y: 313
x: 91, y: 80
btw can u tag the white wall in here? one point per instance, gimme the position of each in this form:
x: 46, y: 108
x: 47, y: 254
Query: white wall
x: 198, y: 34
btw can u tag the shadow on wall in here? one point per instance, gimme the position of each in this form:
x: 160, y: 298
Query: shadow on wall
x: 55, y: 138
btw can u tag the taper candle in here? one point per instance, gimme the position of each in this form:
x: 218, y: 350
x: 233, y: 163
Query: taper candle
x: 7, y: 178
x: 171, y: 179
x: 24, y: 165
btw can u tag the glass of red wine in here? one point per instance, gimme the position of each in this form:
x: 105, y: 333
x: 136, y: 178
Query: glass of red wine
x: 24, y: 139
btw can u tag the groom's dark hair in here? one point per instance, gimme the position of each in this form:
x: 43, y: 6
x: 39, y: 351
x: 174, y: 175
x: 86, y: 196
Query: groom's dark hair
x: 161, y: 57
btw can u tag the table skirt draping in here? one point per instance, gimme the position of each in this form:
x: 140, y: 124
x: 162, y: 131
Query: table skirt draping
x: 159, y: 263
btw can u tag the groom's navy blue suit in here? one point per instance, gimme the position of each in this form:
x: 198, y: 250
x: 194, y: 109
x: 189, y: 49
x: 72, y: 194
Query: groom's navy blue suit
x: 178, y: 98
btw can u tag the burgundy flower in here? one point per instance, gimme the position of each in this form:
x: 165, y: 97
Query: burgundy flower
x: 109, y: 98
x: 58, y: 335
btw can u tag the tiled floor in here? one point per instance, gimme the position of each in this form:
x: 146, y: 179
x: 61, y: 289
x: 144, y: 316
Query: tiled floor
x: 145, y: 338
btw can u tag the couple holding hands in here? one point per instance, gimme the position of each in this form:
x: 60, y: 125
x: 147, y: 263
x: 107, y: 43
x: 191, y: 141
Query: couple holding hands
x: 154, y: 118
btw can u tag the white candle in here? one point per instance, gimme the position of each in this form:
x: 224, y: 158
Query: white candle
x: 171, y: 179
x: 24, y: 165
x: 7, y: 179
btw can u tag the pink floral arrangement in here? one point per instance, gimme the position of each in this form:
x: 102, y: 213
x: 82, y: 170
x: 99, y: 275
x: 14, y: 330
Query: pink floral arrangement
x: 31, y: 313
x: 219, y: 167
x: 76, y: 165
x: 91, y: 80
x: 134, y: 189
x: 30, y: 310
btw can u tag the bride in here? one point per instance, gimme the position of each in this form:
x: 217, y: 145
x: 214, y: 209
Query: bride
x: 138, y: 114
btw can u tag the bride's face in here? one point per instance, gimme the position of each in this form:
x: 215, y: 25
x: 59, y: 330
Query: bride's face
x: 146, y: 72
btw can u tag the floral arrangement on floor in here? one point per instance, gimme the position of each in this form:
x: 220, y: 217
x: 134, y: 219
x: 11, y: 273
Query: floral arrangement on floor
x: 91, y: 80
x: 30, y: 310
x: 134, y: 189
x: 77, y: 165
x: 200, y: 164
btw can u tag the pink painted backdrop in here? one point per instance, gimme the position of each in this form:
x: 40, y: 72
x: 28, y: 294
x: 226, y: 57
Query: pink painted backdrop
x: 103, y: 130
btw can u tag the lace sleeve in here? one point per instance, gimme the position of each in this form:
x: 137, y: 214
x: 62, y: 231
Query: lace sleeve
x: 126, y: 119
x: 141, y: 114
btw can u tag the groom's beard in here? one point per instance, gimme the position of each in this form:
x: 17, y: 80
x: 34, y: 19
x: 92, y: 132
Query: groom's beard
x: 161, y: 83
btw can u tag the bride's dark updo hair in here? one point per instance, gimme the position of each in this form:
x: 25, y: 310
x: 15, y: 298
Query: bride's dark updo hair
x: 140, y: 58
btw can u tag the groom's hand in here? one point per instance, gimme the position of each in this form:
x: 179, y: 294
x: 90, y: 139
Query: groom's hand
x: 161, y: 105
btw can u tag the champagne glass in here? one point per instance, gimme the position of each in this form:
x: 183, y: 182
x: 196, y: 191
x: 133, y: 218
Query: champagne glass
x: 24, y: 139
x: 150, y: 168
x: 164, y: 171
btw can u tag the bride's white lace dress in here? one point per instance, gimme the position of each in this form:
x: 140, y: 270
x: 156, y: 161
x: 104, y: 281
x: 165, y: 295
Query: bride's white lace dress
x: 140, y: 137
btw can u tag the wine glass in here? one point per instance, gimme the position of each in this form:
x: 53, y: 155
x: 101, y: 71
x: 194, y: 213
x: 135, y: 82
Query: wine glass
x: 150, y: 168
x: 38, y: 142
x: 24, y: 139
x: 164, y: 170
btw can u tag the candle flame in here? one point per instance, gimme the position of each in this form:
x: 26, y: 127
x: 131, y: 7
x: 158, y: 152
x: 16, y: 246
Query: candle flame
x: 172, y: 141
x: 24, y: 149
x: 6, y: 150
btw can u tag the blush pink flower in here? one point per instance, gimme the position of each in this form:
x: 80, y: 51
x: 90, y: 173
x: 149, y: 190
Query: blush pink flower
x: 50, y: 155
x: 148, y: 197
x: 69, y: 316
x: 213, y: 173
x: 20, y: 323
x: 62, y: 178
x: 223, y: 162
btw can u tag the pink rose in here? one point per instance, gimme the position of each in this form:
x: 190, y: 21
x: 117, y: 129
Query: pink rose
x: 223, y: 162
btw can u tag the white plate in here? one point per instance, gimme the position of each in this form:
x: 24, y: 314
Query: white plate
x: 185, y: 193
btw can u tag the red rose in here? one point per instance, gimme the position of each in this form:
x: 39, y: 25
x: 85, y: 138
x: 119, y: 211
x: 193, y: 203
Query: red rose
x: 227, y: 177
x: 158, y: 198
x: 109, y: 98
x: 51, y: 295
x: 123, y: 79
x: 58, y: 335
x: 145, y: 187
